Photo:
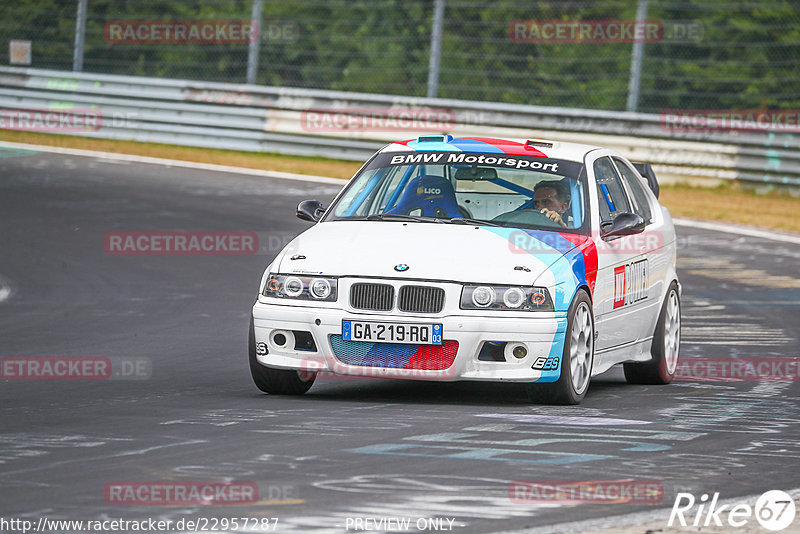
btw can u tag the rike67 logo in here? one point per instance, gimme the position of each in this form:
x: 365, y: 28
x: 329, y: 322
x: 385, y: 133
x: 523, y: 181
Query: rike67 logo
x: 774, y: 510
x: 630, y: 283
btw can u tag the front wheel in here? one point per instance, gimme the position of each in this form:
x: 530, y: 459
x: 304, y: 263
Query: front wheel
x: 576, y: 360
x: 276, y: 381
x: 666, y: 345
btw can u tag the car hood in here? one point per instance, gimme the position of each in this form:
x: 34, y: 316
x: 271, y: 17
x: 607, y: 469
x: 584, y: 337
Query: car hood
x: 431, y: 251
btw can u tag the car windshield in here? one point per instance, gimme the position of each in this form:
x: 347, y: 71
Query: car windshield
x: 467, y: 188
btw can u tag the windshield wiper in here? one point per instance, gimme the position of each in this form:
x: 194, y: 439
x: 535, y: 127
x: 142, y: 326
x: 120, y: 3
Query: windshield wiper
x: 399, y: 217
x: 466, y: 220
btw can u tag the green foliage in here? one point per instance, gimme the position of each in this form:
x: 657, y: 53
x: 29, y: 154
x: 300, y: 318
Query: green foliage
x: 747, y: 56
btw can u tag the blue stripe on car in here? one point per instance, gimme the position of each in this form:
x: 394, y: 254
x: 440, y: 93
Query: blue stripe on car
x: 565, y: 261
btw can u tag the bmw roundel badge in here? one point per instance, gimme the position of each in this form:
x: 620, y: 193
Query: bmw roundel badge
x: 401, y: 267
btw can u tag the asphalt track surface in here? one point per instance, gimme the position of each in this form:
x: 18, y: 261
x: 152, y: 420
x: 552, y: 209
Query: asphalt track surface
x: 349, y: 448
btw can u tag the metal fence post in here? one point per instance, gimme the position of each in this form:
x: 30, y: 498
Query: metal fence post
x: 436, y: 48
x: 252, y: 52
x: 636, y: 61
x: 80, y: 36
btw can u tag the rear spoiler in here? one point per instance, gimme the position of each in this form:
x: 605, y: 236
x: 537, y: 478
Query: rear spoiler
x: 647, y: 172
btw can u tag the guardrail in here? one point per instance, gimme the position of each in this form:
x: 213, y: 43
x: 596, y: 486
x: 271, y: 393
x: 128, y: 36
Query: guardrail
x: 282, y: 120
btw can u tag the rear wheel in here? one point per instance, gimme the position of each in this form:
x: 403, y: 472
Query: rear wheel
x: 665, y: 347
x: 576, y: 360
x: 276, y: 381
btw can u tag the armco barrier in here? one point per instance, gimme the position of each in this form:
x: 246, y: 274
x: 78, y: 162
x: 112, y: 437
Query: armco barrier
x: 275, y: 119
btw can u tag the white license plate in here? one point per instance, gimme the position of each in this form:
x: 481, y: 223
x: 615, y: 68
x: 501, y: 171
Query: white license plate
x: 376, y: 332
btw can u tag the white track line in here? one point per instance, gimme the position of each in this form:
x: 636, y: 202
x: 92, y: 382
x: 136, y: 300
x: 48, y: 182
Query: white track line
x: 5, y: 290
x: 175, y: 163
x: 772, y: 235
x: 718, y: 227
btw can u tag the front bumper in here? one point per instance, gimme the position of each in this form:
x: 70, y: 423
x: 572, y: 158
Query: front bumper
x: 541, y: 333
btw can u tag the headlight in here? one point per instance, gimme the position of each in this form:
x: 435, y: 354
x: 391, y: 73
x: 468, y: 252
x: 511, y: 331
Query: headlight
x: 513, y: 297
x: 483, y: 296
x: 506, y: 298
x: 320, y: 288
x: 300, y: 287
x: 293, y: 286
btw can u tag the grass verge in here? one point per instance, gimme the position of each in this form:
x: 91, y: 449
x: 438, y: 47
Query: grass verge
x: 734, y: 204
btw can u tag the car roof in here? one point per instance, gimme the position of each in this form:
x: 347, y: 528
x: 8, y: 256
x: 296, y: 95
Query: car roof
x: 511, y: 147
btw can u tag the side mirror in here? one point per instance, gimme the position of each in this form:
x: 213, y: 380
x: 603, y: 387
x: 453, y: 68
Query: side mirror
x: 624, y: 224
x: 310, y: 210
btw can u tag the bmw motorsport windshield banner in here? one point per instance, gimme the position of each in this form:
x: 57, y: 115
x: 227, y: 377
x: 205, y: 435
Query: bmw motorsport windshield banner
x: 558, y: 167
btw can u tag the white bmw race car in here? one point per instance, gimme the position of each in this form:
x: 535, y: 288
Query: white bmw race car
x: 446, y: 258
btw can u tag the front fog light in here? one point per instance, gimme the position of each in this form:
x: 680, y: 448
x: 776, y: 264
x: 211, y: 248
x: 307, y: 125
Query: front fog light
x: 293, y: 286
x: 282, y: 339
x: 483, y: 296
x: 515, y: 351
x: 320, y: 288
x: 514, y: 297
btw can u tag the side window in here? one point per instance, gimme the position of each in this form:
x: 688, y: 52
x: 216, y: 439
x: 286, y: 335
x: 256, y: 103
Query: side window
x: 636, y: 186
x: 347, y: 206
x: 610, y: 193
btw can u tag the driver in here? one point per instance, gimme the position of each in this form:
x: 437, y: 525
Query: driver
x: 551, y: 198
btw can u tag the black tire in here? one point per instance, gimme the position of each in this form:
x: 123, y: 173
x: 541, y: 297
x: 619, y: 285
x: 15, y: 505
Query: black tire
x: 276, y: 381
x: 658, y: 370
x: 563, y: 391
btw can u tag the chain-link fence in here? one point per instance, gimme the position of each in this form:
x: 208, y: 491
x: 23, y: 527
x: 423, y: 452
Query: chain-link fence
x: 603, y: 54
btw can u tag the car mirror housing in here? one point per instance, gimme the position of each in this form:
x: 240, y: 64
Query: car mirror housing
x: 310, y: 210
x: 624, y: 224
